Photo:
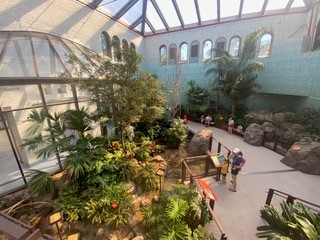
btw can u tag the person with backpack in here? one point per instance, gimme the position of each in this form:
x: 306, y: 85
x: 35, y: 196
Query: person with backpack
x: 236, y: 165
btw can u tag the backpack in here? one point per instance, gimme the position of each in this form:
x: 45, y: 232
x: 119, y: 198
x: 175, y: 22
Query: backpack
x: 244, y: 160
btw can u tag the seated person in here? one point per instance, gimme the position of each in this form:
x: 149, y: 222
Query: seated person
x: 239, y: 129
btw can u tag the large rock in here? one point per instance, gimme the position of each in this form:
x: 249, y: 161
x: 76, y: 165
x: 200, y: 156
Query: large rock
x: 292, y: 132
x: 200, y: 143
x: 307, y: 160
x: 259, y: 116
x: 254, y: 134
x: 270, y: 130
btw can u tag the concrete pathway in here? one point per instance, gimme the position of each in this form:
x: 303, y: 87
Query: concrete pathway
x: 238, y: 212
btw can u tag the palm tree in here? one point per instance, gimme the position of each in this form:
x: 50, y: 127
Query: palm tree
x: 236, y: 77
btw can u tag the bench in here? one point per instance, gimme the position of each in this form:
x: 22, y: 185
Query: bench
x: 237, y: 132
x: 14, y: 228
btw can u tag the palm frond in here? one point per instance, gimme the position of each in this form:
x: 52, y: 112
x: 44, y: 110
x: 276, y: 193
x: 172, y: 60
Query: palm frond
x: 40, y: 182
x: 37, y: 122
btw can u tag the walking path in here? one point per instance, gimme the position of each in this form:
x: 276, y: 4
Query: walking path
x: 238, y: 212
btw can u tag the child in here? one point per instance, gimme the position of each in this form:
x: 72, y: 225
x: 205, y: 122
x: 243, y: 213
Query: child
x: 224, y: 170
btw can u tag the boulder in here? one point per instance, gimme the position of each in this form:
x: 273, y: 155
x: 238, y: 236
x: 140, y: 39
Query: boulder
x: 306, y: 160
x: 200, y: 143
x: 259, y: 116
x: 254, y: 134
x: 270, y: 130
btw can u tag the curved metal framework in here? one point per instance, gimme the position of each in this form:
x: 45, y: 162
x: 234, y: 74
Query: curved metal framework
x: 148, y: 17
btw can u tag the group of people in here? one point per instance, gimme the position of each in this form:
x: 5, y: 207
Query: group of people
x: 237, y: 161
x: 206, y: 120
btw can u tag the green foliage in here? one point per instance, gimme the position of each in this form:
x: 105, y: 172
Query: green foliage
x: 237, y: 77
x: 197, y: 98
x: 295, y: 221
x: 125, y: 93
x: 176, y: 135
x: 311, y: 119
x: 110, y: 205
x: 71, y: 207
x: 176, y: 215
x: 146, y: 178
x: 40, y: 182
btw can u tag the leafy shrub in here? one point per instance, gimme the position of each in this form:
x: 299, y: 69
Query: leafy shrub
x: 294, y: 221
x: 176, y: 135
x: 176, y: 215
x: 311, y: 119
x: 146, y: 178
x: 112, y: 205
x: 71, y: 207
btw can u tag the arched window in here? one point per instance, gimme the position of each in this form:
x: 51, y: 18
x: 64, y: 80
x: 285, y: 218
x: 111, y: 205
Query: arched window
x: 132, y: 46
x: 220, y: 44
x: 116, y: 48
x: 316, y: 42
x: 125, y: 45
x: 234, y: 47
x: 207, y: 50
x: 183, y: 56
x: 106, y: 44
x: 172, y: 54
x: 194, y: 52
x: 163, y: 55
x: 265, y: 45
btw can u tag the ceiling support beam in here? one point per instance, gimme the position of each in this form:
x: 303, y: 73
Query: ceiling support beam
x: 150, y: 25
x: 144, y: 18
x: 178, y: 12
x: 125, y: 9
x: 196, y: 4
x: 289, y: 5
x: 264, y: 7
x: 156, y: 7
x: 95, y: 3
x: 218, y: 10
x: 136, y: 22
x: 240, y: 9
x: 308, y: 3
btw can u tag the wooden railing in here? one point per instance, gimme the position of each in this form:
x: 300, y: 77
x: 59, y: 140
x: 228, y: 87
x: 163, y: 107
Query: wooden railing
x: 19, y: 230
x: 209, y: 202
x: 274, y: 197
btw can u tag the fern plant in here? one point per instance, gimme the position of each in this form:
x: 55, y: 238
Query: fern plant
x: 176, y: 216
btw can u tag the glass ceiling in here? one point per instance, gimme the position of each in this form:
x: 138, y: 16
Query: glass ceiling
x: 154, y: 16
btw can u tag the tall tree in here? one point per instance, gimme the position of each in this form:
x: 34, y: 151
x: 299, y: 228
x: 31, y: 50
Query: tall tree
x: 123, y: 92
x: 236, y: 77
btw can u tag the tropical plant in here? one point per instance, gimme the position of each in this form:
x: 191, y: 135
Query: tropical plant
x: 311, y: 119
x: 41, y: 183
x: 147, y: 178
x: 176, y: 135
x: 176, y: 215
x: 236, y: 77
x: 123, y: 92
x: 197, y: 98
x: 294, y: 221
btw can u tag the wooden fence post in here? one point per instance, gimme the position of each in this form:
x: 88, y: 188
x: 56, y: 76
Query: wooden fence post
x: 269, y: 197
x: 184, y: 170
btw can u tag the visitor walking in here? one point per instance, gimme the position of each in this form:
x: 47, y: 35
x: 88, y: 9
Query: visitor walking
x: 236, y: 165
x: 230, y: 125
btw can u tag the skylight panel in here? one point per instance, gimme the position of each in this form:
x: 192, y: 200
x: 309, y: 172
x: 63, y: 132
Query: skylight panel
x: 111, y: 6
x: 208, y: 10
x: 169, y: 12
x: 139, y: 27
x: 147, y: 29
x: 276, y: 4
x: 298, y: 3
x: 229, y: 8
x: 133, y: 13
x: 154, y: 18
x: 188, y: 11
x: 252, y: 6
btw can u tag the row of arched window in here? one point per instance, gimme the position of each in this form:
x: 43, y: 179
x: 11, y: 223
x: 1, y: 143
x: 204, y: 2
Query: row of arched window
x: 112, y: 48
x: 191, y: 54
